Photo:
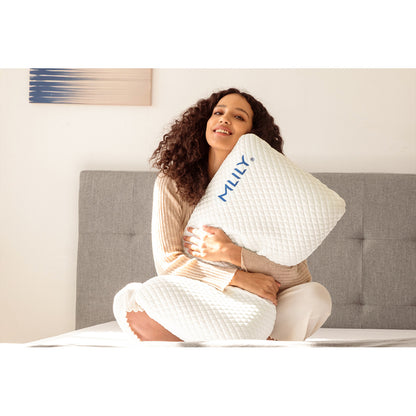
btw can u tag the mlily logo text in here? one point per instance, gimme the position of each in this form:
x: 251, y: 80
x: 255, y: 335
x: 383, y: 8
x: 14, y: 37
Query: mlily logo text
x: 238, y: 172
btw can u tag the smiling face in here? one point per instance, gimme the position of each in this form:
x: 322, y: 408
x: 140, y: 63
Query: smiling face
x: 231, y: 118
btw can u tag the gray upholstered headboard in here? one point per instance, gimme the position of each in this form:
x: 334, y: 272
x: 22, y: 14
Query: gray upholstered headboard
x: 368, y: 262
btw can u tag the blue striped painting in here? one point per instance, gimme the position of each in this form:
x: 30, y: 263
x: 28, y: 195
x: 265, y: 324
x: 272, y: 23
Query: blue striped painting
x: 102, y: 86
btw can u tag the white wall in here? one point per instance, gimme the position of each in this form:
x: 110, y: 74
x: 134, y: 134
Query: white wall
x: 354, y: 120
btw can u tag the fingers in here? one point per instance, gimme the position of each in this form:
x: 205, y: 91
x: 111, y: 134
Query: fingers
x: 272, y: 298
x: 197, y: 231
x: 272, y: 291
x: 211, y: 243
x: 198, y: 237
x: 209, y: 229
x: 196, y: 244
x: 203, y: 232
x: 192, y: 247
x: 193, y: 240
x: 269, y: 292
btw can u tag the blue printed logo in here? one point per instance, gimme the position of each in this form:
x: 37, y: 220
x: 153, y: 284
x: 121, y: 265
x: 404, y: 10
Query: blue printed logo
x: 238, y: 172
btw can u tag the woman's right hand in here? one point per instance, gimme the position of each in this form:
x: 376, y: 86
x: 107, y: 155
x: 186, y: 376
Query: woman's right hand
x: 260, y: 284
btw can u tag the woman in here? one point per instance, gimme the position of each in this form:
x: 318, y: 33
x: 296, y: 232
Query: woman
x: 188, y: 157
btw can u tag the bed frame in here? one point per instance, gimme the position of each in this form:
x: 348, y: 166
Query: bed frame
x: 368, y: 262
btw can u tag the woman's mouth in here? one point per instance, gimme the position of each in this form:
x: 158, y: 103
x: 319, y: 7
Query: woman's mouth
x: 222, y: 131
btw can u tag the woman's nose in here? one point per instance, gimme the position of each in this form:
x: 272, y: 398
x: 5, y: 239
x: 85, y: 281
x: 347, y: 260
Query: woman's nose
x: 224, y: 119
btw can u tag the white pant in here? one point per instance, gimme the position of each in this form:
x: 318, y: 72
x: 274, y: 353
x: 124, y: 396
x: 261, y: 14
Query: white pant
x: 301, y: 310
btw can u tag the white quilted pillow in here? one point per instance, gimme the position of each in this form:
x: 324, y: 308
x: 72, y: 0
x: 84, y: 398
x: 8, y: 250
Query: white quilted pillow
x: 195, y: 311
x: 267, y: 204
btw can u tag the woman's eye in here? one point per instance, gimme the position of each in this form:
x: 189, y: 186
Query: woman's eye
x: 219, y: 112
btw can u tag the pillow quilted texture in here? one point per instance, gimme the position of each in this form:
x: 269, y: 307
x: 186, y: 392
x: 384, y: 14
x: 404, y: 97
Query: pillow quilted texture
x: 195, y: 311
x: 267, y: 204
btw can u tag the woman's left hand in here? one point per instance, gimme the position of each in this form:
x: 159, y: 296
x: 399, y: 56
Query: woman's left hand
x: 212, y: 244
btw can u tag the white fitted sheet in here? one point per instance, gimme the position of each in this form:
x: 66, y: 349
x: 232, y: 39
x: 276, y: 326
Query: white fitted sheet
x: 110, y: 335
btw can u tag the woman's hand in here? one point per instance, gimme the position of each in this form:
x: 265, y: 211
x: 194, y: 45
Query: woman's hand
x: 212, y: 244
x: 260, y: 284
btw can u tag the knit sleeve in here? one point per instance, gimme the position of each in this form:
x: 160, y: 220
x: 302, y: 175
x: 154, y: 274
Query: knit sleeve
x: 287, y: 276
x: 169, y: 218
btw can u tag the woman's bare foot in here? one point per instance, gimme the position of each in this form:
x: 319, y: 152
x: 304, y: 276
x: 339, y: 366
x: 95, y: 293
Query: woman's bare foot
x: 148, y: 329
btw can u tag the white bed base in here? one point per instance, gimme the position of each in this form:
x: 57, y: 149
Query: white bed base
x: 110, y: 335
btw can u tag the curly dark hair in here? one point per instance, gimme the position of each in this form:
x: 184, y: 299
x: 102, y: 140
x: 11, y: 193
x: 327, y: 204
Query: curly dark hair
x: 183, y: 152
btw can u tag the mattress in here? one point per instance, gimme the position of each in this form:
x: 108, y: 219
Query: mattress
x: 97, y: 370
x: 110, y: 335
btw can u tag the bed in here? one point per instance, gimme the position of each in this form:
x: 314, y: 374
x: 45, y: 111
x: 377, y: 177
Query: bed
x: 368, y: 262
